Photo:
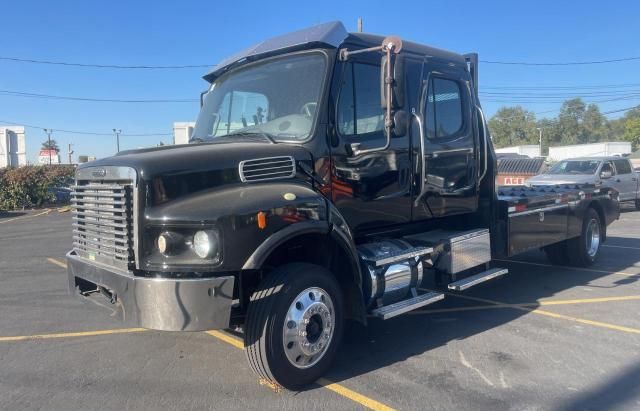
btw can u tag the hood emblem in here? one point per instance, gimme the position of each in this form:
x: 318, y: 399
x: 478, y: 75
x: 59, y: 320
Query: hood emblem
x: 100, y: 172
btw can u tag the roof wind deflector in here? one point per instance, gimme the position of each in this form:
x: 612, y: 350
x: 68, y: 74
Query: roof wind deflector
x: 328, y: 34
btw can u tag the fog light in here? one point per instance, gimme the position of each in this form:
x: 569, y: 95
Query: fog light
x: 206, y: 244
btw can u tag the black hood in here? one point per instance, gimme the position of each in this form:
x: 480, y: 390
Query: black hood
x: 170, y: 172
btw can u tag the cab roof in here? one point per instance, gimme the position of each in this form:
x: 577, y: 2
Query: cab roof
x: 330, y: 35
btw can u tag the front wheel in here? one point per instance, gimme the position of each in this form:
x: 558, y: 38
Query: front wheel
x: 583, y: 250
x: 294, y: 325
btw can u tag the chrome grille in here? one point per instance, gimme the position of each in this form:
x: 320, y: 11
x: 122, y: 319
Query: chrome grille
x: 271, y: 168
x: 103, y: 221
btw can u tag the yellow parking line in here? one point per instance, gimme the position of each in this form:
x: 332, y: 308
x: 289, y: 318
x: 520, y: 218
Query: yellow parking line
x: 71, y: 335
x: 623, y: 273
x: 330, y: 385
x: 554, y: 315
x: 227, y: 338
x: 491, y: 306
x: 353, y: 396
x: 47, y: 211
x: 57, y: 262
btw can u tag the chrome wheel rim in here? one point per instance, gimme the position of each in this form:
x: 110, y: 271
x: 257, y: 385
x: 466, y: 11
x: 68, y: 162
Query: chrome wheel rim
x: 593, y: 238
x: 308, y: 327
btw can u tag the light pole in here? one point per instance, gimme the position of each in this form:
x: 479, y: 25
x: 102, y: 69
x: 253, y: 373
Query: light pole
x: 117, y: 133
x: 70, y: 152
x: 49, y: 131
x: 540, y: 140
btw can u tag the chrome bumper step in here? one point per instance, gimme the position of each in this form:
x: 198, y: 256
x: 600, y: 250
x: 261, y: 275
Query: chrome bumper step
x: 401, y: 307
x: 476, y: 279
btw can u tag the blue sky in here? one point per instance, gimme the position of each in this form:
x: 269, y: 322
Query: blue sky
x: 190, y: 32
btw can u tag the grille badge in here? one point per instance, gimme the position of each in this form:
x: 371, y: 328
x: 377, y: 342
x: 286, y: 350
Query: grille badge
x: 100, y: 172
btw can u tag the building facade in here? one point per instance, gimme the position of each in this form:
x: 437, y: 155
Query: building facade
x: 182, y: 131
x: 13, y: 148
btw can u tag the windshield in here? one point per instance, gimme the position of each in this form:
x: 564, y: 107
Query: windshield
x: 575, y: 167
x: 277, y: 98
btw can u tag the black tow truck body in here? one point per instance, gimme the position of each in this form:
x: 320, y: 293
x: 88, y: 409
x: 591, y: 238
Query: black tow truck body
x: 330, y: 175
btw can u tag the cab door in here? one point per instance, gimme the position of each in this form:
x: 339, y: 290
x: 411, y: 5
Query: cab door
x: 450, y: 146
x: 625, y: 180
x: 371, y: 190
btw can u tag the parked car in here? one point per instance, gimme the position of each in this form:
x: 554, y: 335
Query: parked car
x: 615, y: 172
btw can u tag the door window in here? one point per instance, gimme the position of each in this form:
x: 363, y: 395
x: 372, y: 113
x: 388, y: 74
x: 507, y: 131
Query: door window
x: 607, y: 167
x: 359, y: 110
x: 443, y: 109
x: 622, y: 166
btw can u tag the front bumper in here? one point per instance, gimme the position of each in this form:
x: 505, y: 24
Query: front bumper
x: 157, y: 303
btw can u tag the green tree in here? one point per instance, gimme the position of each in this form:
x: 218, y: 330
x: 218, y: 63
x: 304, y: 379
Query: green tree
x: 632, y: 131
x: 595, y: 127
x: 571, y: 119
x: 512, y: 126
x: 53, y: 145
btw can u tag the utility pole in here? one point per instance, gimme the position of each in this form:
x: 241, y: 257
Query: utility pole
x: 117, y: 133
x: 49, y: 131
x: 540, y: 140
x: 359, y: 24
x: 70, y: 152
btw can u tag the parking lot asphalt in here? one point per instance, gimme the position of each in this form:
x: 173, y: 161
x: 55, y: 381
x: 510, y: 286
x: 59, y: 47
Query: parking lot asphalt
x: 542, y: 337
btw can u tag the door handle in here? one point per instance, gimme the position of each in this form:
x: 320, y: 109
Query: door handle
x: 618, y: 180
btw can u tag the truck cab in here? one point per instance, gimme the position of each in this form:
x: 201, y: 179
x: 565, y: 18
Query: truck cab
x: 329, y: 176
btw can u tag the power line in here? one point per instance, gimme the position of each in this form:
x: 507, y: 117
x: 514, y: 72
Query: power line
x: 569, y: 63
x: 190, y: 66
x: 110, y: 66
x: 94, y: 99
x: 93, y: 133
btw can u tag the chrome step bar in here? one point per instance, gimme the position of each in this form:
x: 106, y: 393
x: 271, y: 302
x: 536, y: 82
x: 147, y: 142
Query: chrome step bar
x: 399, y: 256
x: 476, y: 279
x: 401, y: 307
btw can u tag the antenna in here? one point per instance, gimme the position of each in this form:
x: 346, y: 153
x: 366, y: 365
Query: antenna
x: 359, y: 24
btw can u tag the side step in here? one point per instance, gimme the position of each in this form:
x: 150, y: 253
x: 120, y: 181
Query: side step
x: 401, y: 307
x: 477, y: 279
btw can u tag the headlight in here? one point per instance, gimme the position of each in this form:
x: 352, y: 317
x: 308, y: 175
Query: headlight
x: 181, y: 247
x: 206, y: 244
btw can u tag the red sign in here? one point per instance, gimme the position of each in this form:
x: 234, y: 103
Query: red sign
x: 513, y: 181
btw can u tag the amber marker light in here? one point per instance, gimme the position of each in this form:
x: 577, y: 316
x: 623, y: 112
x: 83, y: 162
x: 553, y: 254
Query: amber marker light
x: 262, y: 220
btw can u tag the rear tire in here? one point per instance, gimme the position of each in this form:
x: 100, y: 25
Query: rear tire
x: 294, y: 325
x: 557, y: 254
x: 583, y: 250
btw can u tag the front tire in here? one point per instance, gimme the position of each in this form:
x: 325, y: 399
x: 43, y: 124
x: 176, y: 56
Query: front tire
x: 584, y: 250
x: 294, y: 325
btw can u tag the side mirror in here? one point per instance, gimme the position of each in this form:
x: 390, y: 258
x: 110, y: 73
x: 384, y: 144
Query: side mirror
x: 400, y: 123
x: 397, y: 79
x: 605, y: 174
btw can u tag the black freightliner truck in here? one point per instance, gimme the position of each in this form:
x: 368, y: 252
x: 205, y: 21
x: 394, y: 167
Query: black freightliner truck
x: 330, y: 175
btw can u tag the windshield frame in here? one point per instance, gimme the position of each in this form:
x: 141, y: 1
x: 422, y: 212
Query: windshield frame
x: 322, y: 95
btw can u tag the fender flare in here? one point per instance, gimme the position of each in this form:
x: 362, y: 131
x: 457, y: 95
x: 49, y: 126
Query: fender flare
x: 260, y: 254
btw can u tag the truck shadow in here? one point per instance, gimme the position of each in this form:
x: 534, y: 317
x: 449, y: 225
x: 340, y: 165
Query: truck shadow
x: 385, y: 343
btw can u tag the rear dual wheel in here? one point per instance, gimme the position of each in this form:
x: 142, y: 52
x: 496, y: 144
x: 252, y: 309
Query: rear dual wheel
x: 294, y: 325
x: 581, y: 251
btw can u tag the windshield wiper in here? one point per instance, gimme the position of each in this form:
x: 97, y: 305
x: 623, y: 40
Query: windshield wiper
x: 253, y: 133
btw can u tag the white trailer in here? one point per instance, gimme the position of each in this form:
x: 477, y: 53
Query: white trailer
x: 530, y: 150
x: 609, y: 148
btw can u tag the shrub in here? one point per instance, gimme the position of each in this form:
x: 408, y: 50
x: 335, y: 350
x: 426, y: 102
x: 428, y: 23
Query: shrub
x: 29, y: 186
